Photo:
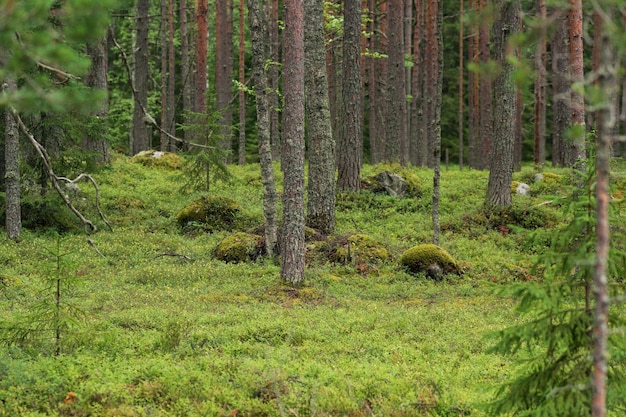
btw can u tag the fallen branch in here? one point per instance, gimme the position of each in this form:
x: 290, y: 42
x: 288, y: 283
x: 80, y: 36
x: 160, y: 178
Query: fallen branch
x: 43, y: 154
x: 178, y: 255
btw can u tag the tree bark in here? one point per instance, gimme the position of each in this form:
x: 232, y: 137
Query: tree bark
x: 242, y: 80
x: 274, y: 75
x: 293, y: 247
x: 96, y: 78
x: 351, y: 141
x: 561, y: 119
x: 461, y: 78
x: 486, y: 120
x: 186, y: 71
x: 171, y: 77
x: 576, y: 149
x: 224, y: 70
x: 540, y: 89
x: 164, y: 142
x: 418, y: 151
x: 501, y: 166
x: 259, y: 38
x: 433, y: 91
x: 141, y: 131
x: 321, y: 185
x: 607, y: 80
x: 396, y: 143
x: 474, y: 94
x: 13, y: 216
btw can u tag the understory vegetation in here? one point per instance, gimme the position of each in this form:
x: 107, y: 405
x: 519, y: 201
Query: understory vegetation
x: 153, y: 324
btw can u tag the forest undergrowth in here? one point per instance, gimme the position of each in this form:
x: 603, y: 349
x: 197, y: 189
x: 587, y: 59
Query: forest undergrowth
x: 158, y: 327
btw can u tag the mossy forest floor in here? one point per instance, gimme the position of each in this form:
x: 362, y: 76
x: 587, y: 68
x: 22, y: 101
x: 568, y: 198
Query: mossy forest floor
x: 161, y: 328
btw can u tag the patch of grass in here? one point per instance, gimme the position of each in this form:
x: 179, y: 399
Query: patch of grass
x: 168, y: 330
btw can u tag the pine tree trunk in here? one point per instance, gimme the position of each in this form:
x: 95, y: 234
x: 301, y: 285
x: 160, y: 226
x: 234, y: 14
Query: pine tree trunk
x: 561, y: 119
x: 186, y: 70
x: 164, y: 50
x: 474, y: 94
x: 140, y: 135
x: 274, y: 74
x: 540, y: 89
x: 351, y: 141
x: 293, y: 247
x: 433, y: 90
x: 396, y: 145
x: 321, y: 185
x: 13, y: 216
x: 607, y: 80
x: 417, y: 152
x: 242, y: 80
x: 576, y: 150
x: 96, y: 140
x: 501, y: 166
x: 486, y: 120
x: 259, y: 37
x: 461, y: 78
x: 171, y: 77
x: 224, y: 70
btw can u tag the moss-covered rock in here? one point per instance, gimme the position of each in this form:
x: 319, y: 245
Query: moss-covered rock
x: 430, y: 259
x: 239, y: 247
x: 160, y: 159
x: 384, y: 173
x: 209, y: 213
x: 359, y: 248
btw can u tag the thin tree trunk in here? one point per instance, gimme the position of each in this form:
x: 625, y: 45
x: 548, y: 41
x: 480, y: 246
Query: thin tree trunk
x: 96, y: 141
x: 274, y: 82
x: 396, y: 138
x: 171, y: 77
x: 486, y: 120
x: 242, y: 80
x: 540, y: 89
x: 607, y: 80
x: 186, y: 70
x: 201, y: 56
x: 474, y: 94
x: 321, y: 185
x: 293, y: 246
x: 13, y: 215
x: 351, y: 142
x: 140, y: 134
x: 224, y: 70
x: 259, y: 38
x: 164, y: 50
x: 461, y: 78
x: 408, y: 44
x: 433, y: 90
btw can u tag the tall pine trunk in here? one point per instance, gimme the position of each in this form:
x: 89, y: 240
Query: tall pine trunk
x: 501, y: 166
x: 259, y: 37
x: 396, y: 144
x: 321, y: 185
x: 293, y: 247
x: 140, y: 130
x: 224, y: 70
x: 242, y: 80
x: 350, y: 143
x: 13, y: 214
x: 540, y: 89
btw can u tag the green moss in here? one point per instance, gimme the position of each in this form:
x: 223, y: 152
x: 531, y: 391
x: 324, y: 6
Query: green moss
x: 239, y: 247
x: 160, y: 159
x: 209, y: 213
x: 431, y: 259
x: 360, y: 248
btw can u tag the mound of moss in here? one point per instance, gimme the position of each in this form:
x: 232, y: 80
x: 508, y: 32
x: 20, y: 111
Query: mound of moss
x: 209, y: 213
x: 430, y: 259
x: 159, y: 159
x: 239, y: 247
x: 358, y: 248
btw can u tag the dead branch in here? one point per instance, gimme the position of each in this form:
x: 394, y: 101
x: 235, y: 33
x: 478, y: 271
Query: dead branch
x: 177, y: 255
x: 43, y: 154
x: 89, y: 178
